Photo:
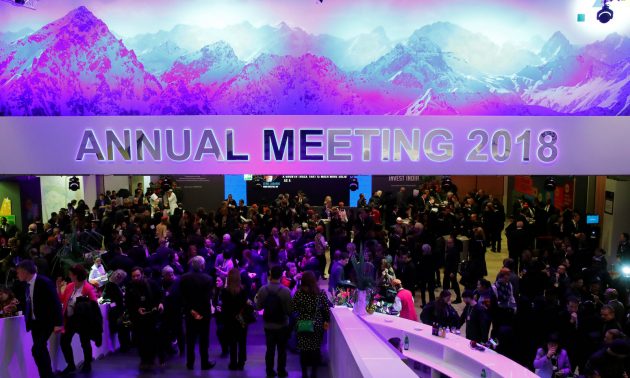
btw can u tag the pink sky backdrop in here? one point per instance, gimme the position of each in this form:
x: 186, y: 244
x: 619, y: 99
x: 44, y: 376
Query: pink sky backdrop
x: 501, y: 20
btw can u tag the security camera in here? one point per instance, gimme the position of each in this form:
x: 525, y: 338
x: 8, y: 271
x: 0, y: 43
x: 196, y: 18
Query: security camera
x: 605, y: 14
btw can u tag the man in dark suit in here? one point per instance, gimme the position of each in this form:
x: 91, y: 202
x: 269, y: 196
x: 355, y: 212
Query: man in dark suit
x: 196, y: 292
x: 6, y: 229
x: 42, y: 312
x: 518, y: 241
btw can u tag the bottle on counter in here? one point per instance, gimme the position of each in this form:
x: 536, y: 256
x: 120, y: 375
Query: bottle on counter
x: 435, y: 330
x: 406, y: 343
x: 483, y: 373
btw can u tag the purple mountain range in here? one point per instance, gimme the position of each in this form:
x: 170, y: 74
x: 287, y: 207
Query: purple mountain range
x: 76, y: 66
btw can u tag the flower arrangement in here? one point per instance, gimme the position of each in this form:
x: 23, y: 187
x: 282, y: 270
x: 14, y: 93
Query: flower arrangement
x: 344, y: 297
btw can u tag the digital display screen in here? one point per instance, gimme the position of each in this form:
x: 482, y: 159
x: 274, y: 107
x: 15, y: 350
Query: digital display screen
x: 592, y: 219
x: 264, y: 189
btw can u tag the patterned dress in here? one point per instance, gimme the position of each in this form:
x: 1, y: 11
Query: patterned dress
x: 311, y: 307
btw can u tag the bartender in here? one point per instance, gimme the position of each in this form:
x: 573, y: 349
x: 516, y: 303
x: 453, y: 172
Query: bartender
x: 403, y: 302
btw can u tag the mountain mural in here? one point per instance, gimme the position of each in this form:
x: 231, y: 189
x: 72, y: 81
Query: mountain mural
x: 77, y: 66
x: 73, y: 66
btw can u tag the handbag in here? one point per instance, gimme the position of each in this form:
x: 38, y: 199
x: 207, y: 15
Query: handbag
x: 248, y: 314
x: 305, y: 326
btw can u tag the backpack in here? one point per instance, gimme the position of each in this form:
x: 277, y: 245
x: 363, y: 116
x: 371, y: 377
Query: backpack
x: 274, y: 311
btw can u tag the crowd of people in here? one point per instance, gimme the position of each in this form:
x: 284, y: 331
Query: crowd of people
x: 169, y: 271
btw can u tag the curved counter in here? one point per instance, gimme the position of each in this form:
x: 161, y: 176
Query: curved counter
x: 451, y: 356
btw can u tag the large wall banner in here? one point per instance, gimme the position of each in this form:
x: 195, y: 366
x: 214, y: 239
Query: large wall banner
x: 382, y: 145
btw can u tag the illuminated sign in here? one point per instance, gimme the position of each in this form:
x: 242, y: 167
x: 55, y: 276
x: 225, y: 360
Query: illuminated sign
x: 314, y: 144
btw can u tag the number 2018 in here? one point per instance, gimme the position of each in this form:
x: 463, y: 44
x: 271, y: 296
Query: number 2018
x: 501, y: 143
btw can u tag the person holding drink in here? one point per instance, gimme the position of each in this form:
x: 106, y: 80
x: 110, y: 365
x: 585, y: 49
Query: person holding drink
x: 551, y: 361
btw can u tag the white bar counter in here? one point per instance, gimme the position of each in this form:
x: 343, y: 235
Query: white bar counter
x: 356, y: 351
x: 15, y: 347
x: 451, y: 356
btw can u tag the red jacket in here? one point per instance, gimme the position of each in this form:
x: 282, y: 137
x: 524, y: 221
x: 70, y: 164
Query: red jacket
x: 87, y: 291
x: 408, y: 310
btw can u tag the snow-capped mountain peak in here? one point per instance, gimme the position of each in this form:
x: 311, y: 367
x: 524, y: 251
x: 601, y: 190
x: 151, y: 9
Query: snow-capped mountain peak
x: 557, y: 46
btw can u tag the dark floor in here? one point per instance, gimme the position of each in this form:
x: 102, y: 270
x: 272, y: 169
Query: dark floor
x: 120, y: 365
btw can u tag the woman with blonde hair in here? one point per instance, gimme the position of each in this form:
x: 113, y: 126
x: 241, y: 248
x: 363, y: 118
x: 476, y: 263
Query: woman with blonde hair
x: 233, y: 306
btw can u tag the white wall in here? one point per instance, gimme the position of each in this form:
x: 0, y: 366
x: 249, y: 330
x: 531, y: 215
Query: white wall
x: 116, y: 182
x: 56, y: 195
x: 89, y: 190
x: 619, y: 221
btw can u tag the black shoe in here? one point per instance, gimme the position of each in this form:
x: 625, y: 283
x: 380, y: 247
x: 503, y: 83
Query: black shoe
x: 68, y: 370
x: 208, y: 365
x: 86, y: 368
x: 232, y: 367
x: 271, y: 373
x: 283, y: 373
x: 240, y: 366
x: 190, y: 366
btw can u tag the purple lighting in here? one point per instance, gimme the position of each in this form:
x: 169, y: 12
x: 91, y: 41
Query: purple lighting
x: 76, y: 66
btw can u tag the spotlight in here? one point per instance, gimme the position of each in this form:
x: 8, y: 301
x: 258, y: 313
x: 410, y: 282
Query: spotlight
x: 447, y: 183
x: 74, y: 184
x: 625, y: 270
x: 550, y: 184
x: 605, y: 14
x: 354, y: 184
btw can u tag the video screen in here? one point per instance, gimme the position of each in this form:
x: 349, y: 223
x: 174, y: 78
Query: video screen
x: 265, y: 189
x: 592, y: 219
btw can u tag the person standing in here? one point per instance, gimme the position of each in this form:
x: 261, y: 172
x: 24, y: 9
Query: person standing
x: 426, y: 274
x: 42, y: 312
x: 196, y: 294
x: 623, y: 248
x: 275, y: 299
x: 451, y: 265
x: 144, y: 303
x: 404, y: 303
x: 337, y: 272
x: 171, y: 199
x: 233, y: 304
x: 518, y: 241
x: 313, y: 314
x: 79, y: 287
x: 551, y: 360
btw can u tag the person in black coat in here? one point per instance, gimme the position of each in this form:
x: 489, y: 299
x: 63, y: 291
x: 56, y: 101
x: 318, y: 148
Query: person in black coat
x: 519, y: 240
x: 426, y: 271
x: 451, y: 265
x: 406, y: 272
x: 477, y: 253
x: 121, y: 261
x: 144, y: 304
x: 440, y: 311
x: 42, y: 312
x: 476, y: 318
x: 234, y: 302
x: 196, y: 292
x: 113, y: 294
